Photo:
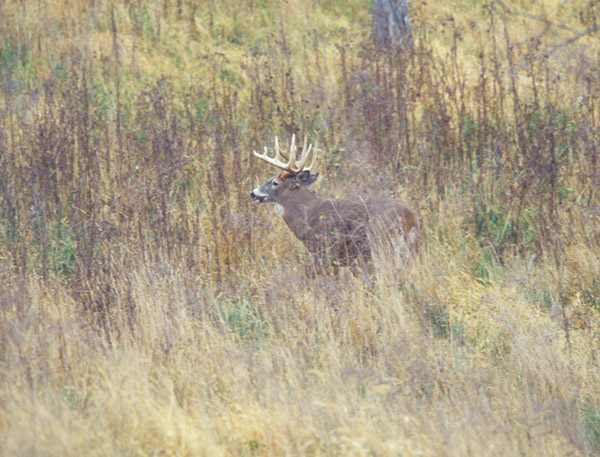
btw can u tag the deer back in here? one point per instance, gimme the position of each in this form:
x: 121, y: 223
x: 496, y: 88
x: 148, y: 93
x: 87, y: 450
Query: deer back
x: 348, y: 229
x: 339, y: 230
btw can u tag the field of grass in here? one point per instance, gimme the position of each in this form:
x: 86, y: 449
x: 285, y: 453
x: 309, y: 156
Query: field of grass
x: 147, y: 308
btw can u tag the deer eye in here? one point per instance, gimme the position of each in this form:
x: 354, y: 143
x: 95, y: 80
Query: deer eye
x: 275, y: 184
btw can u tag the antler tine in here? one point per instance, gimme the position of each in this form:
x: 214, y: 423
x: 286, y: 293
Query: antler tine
x: 290, y: 163
x: 291, y: 158
x: 277, y: 160
x: 314, y: 158
x: 300, y: 164
x: 294, y: 151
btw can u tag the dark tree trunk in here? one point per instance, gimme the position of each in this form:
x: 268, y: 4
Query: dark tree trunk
x: 390, y: 24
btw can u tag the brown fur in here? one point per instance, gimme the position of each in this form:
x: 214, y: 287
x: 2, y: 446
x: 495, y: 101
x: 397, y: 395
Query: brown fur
x: 341, y: 231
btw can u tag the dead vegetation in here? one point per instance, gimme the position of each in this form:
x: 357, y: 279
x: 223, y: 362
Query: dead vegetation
x: 146, y: 308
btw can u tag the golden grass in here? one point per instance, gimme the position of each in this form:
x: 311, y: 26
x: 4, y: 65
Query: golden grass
x: 324, y: 368
x: 146, y: 308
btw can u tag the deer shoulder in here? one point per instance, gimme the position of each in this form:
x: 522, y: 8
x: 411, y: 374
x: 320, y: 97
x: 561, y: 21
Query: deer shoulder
x: 341, y: 230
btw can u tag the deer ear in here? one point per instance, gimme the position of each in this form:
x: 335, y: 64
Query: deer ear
x: 306, y: 177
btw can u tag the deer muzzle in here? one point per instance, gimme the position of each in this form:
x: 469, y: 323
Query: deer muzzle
x: 257, y: 196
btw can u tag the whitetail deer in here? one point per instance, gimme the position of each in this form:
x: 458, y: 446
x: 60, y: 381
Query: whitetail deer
x: 337, y: 232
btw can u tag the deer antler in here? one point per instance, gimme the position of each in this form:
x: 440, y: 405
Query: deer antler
x: 292, y: 165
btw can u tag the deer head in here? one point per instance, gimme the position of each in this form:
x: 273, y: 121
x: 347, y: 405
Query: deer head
x: 295, y: 174
x: 337, y: 231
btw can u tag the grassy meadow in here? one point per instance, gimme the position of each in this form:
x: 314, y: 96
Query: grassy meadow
x: 148, y: 308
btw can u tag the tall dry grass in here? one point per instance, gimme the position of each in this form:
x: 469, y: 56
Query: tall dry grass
x: 146, y: 308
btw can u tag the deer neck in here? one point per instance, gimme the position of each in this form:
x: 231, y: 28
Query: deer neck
x: 295, y: 209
